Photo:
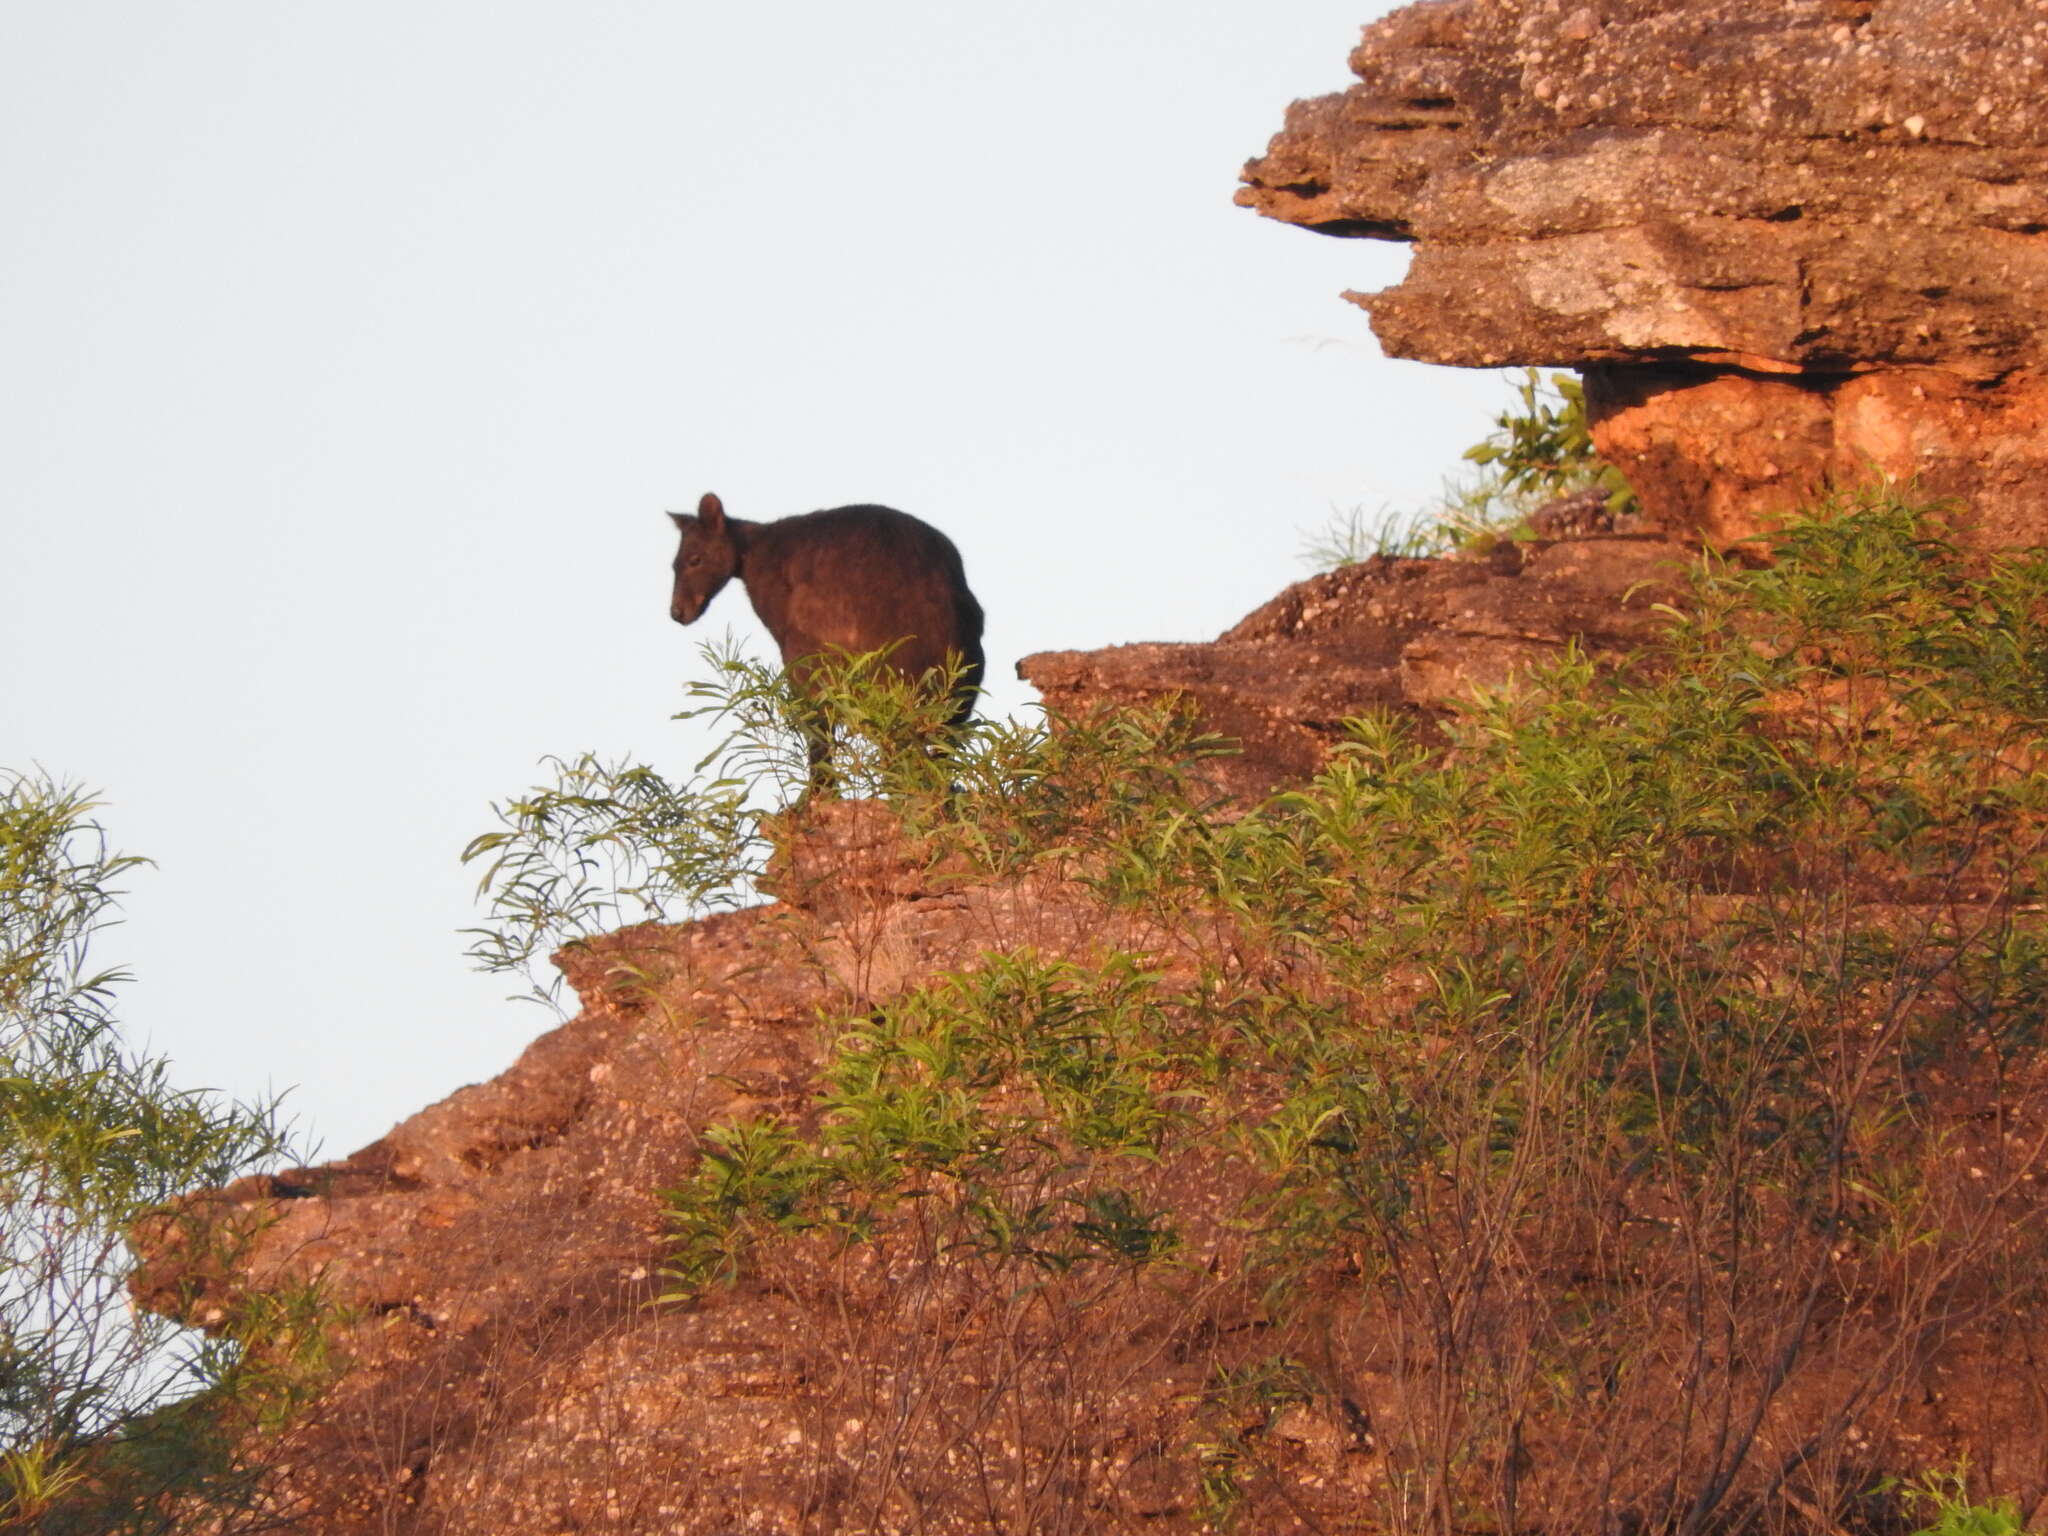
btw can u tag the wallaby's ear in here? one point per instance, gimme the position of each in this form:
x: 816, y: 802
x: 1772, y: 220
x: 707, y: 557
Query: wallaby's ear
x: 681, y: 521
x: 712, y: 511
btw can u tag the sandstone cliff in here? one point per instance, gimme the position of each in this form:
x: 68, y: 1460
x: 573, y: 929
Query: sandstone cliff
x: 1784, y: 242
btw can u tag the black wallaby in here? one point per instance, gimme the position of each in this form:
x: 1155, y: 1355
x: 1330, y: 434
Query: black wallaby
x: 849, y: 580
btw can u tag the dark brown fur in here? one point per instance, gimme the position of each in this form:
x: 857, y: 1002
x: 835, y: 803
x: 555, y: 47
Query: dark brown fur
x: 851, y: 579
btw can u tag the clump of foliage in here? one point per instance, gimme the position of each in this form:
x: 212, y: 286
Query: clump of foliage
x: 1632, y: 1100
x: 1020, y: 1087
x: 110, y: 1419
x: 1545, y: 448
x: 1939, y: 1503
x: 1541, y: 449
x: 612, y: 842
x: 605, y: 844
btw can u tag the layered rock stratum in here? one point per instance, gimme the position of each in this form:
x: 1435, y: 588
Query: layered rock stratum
x: 1786, y: 243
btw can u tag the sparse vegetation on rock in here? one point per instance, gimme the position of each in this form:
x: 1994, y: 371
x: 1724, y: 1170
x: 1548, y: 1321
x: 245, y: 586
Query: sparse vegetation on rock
x: 1538, y: 476
x: 1622, y: 1104
x: 1578, y: 1067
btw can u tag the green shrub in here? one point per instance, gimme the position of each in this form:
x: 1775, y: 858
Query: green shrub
x: 1084, y: 1064
x: 1545, y: 449
x: 1540, y: 449
x: 110, y: 1419
x: 1943, y: 1500
x: 608, y: 843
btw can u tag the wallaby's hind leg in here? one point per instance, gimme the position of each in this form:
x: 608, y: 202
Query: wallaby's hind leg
x: 818, y: 748
x: 966, y: 690
x: 812, y: 722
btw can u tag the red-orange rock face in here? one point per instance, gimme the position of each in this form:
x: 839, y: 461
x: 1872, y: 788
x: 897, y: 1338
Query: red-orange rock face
x: 1787, y: 243
x: 1385, y: 635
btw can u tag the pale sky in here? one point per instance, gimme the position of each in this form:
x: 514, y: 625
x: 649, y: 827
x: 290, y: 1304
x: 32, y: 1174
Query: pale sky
x: 350, y: 355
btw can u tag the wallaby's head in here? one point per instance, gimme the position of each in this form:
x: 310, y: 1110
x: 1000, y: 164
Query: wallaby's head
x: 706, y: 559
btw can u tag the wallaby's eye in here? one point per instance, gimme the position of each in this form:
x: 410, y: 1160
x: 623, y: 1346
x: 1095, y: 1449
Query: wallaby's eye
x: 695, y: 560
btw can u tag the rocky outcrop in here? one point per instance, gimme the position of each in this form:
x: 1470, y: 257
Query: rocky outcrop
x: 1410, y: 636
x: 1785, y: 243
x: 507, y: 1365
x: 510, y: 1368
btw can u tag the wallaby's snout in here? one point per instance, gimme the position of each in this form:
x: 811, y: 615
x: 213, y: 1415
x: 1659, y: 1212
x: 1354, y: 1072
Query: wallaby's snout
x: 708, y: 557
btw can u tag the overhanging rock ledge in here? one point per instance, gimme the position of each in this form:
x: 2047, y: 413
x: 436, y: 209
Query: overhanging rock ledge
x: 1786, y: 244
